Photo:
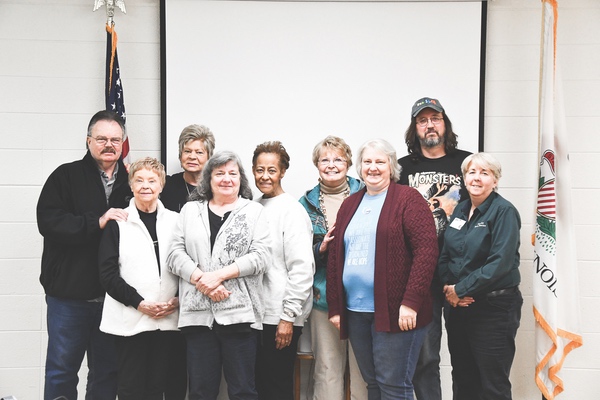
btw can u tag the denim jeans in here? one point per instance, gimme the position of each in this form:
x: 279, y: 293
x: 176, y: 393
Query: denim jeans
x: 209, y: 351
x: 427, y: 380
x: 386, y: 360
x: 481, y: 340
x: 73, y: 330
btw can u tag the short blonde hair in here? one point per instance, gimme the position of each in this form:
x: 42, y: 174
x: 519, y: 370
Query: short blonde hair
x: 151, y: 164
x: 332, y: 143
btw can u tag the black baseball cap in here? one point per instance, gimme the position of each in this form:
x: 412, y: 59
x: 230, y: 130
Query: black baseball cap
x: 426, y: 102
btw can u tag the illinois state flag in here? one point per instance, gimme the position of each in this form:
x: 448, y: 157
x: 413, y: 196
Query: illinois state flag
x: 555, y: 282
x: 114, y: 88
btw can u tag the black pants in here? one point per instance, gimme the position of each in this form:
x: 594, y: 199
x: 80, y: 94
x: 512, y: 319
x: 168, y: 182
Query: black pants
x: 481, y: 340
x: 177, y: 369
x: 275, y: 368
x: 142, y: 364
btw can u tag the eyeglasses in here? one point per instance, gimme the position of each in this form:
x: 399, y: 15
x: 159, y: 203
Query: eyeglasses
x: 434, y: 120
x: 336, y: 161
x: 101, y: 140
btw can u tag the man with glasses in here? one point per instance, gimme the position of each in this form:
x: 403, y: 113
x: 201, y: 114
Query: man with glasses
x: 432, y: 166
x: 75, y: 204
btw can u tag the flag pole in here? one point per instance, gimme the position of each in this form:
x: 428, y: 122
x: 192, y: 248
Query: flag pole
x: 114, y: 98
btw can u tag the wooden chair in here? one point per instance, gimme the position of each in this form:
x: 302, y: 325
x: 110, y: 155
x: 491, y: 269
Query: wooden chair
x: 297, y: 371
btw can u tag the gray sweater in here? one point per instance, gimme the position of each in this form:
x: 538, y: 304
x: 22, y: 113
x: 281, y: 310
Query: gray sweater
x: 243, y: 239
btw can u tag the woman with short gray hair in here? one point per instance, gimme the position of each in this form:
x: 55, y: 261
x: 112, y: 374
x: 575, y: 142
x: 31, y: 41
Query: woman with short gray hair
x: 196, y: 146
x: 379, y: 272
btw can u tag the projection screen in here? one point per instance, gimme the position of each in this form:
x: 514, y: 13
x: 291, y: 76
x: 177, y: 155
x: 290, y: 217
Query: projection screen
x: 254, y: 71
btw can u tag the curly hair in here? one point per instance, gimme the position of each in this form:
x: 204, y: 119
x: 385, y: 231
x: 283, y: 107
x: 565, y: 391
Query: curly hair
x: 275, y: 147
x: 151, y: 164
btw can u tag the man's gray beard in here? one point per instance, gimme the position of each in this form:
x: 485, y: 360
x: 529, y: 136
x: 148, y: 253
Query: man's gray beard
x: 431, y: 142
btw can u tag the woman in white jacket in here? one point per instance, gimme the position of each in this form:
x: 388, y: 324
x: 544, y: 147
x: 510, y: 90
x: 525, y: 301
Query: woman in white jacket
x: 220, y: 251
x: 287, y: 286
x: 140, y: 308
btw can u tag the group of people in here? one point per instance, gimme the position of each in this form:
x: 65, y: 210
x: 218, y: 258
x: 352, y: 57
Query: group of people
x: 167, y: 283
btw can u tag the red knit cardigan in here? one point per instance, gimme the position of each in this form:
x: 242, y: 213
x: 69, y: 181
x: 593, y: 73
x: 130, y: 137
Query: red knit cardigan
x: 405, y: 259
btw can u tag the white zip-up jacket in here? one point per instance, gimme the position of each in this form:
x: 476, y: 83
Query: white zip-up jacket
x: 137, y: 267
x: 244, y: 239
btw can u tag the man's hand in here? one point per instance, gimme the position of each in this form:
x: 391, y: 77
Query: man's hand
x: 116, y: 214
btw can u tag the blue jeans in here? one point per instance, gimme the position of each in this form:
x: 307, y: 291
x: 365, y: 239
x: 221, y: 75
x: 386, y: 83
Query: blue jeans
x: 386, y: 360
x: 427, y: 380
x: 73, y: 330
x: 209, y: 351
x: 481, y: 340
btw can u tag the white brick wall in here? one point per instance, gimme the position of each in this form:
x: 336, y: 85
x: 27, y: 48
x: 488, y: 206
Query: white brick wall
x: 51, y: 80
x: 513, y: 51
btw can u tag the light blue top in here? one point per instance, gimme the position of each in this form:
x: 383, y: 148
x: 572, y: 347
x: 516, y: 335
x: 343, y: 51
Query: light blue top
x: 359, y: 264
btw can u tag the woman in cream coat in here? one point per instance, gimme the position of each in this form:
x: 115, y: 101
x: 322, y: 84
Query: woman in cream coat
x: 140, y: 308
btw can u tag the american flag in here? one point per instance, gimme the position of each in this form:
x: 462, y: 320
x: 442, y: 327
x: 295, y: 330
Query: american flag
x: 114, y: 88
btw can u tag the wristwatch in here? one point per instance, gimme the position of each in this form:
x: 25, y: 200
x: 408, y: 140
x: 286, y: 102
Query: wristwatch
x: 289, y: 313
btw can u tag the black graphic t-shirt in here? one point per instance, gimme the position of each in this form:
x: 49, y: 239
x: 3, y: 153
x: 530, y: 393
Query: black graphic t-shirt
x: 440, y: 182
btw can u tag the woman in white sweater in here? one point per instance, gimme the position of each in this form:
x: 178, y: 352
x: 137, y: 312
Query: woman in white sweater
x: 287, y: 286
x: 220, y: 251
x: 140, y: 308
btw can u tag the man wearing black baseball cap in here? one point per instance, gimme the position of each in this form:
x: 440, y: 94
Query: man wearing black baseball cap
x: 432, y: 166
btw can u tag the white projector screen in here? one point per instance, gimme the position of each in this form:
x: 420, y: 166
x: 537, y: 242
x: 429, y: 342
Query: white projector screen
x: 298, y: 71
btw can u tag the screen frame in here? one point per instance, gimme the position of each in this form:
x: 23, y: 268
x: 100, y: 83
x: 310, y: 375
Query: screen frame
x: 164, y: 148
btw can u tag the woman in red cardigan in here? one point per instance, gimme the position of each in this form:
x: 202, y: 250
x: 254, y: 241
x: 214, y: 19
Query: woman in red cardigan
x: 381, y: 263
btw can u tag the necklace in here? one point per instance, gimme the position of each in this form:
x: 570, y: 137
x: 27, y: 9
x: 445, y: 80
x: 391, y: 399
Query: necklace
x: 345, y: 194
x: 187, y: 187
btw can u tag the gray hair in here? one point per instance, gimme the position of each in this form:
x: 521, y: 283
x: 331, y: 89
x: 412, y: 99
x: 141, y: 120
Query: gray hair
x: 105, y: 115
x: 484, y: 160
x: 203, y: 191
x: 197, y: 132
x: 385, y: 147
